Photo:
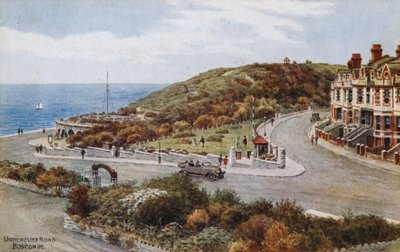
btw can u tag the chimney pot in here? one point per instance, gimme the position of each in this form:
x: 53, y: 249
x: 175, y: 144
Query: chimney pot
x: 356, y: 60
x: 376, y: 52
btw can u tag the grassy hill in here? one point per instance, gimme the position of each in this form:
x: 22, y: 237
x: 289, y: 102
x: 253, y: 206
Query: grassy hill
x: 221, y: 91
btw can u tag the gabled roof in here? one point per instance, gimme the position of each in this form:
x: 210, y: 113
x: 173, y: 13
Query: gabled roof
x: 259, y: 140
x: 379, y: 62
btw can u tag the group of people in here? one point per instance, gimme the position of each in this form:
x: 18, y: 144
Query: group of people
x: 20, y: 131
x: 223, y: 160
x: 39, y: 148
x: 314, y: 139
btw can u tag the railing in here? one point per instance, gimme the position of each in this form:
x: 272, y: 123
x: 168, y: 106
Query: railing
x: 383, y: 133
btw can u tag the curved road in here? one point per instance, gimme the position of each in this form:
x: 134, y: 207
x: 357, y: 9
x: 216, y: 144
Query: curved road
x: 331, y: 184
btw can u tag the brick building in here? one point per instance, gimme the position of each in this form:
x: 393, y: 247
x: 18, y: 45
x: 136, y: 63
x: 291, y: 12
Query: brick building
x: 365, y: 100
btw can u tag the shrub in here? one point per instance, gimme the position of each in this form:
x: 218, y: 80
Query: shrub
x: 204, y: 121
x: 79, y: 200
x: 215, y: 138
x: 227, y: 197
x: 254, y: 229
x: 197, y: 220
x: 210, y: 239
x: 292, y: 215
x: 222, y: 131
x: 181, y: 126
x: 260, y: 206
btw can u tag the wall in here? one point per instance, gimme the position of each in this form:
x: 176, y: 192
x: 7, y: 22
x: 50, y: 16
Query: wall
x: 98, y: 233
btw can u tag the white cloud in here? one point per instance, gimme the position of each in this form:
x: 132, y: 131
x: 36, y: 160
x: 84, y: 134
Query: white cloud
x: 198, y: 28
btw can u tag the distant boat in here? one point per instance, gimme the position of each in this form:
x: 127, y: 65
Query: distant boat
x: 39, y: 106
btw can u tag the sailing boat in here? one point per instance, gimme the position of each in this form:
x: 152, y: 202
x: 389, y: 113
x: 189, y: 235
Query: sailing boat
x: 39, y: 106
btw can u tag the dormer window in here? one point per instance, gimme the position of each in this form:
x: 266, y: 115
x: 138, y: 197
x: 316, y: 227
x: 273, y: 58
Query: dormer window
x: 372, y: 75
x: 386, y: 76
x: 379, y: 74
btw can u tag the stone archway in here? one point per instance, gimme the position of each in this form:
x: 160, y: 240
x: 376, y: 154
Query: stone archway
x: 64, y: 133
x: 71, y: 132
x: 112, y: 172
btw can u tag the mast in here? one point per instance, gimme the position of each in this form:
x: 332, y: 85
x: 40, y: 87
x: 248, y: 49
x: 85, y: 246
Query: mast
x: 107, y: 94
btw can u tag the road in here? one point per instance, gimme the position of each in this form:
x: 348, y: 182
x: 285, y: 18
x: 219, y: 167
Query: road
x: 331, y: 183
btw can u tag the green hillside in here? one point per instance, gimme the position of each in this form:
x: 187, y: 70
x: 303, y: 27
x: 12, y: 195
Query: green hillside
x: 221, y: 91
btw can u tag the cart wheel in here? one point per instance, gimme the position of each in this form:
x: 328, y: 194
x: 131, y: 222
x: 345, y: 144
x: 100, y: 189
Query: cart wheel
x: 212, y: 177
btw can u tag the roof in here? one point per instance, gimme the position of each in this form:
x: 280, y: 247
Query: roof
x: 259, y: 140
x: 379, y: 62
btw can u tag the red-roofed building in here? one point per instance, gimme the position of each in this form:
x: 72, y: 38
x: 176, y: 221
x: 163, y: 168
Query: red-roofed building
x: 260, y: 145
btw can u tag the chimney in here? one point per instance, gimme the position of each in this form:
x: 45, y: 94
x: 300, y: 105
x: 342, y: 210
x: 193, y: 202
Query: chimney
x: 398, y: 51
x: 356, y: 60
x: 350, y: 64
x: 376, y: 52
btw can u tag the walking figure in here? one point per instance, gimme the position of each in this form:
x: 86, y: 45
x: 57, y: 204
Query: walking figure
x: 22, y: 131
x: 272, y: 121
x: 44, y: 131
x: 226, y: 161
x: 40, y: 148
x: 244, y: 142
x: 19, y: 131
x: 312, y: 139
x: 37, y: 148
x: 194, y: 143
x: 202, y: 141
x: 316, y: 139
x: 220, y: 159
x: 83, y: 153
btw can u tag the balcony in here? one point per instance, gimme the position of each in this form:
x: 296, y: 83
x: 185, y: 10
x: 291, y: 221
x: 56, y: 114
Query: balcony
x: 383, y: 133
x: 396, y: 134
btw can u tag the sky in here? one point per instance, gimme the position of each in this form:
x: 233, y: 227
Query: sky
x: 151, y: 41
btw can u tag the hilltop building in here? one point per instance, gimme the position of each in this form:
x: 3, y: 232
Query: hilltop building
x: 286, y: 60
x: 365, y: 101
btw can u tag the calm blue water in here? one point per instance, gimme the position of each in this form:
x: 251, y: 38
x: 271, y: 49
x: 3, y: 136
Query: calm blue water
x: 18, y: 102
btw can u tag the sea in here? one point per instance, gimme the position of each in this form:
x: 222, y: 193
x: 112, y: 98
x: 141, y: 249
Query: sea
x: 18, y: 102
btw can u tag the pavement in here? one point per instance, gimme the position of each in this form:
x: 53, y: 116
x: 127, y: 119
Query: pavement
x: 350, y: 153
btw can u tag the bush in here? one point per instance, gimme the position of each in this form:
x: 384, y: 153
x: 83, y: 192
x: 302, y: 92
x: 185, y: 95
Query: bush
x: 197, y: 220
x: 79, y: 200
x: 210, y: 239
x: 222, y: 131
x: 226, y: 197
x: 215, y: 138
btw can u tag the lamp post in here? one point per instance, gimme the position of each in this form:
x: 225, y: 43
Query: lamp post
x: 159, y: 151
x: 265, y: 133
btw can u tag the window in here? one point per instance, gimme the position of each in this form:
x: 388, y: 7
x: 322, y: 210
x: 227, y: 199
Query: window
x: 359, y: 95
x: 350, y: 97
x: 368, y: 95
x: 379, y: 74
x: 339, y: 113
x: 398, y: 95
x: 387, y: 122
x: 386, y: 96
x: 350, y: 116
x: 363, y: 117
x: 378, y: 97
x: 378, y: 122
x: 386, y: 75
x: 337, y: 95
x: 356, y: 116
x: 372, y: 75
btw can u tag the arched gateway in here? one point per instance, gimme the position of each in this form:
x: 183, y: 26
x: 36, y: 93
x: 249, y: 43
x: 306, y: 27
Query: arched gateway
x: 96, y: 177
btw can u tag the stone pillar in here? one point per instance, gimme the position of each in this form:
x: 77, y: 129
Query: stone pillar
x: 282, y: 159
x: 396, y: 158
x: 358, y: 148
x: 362, y: 149
x: 232, y: 157
x: 271, y: 149
x: 276, y: 151
x: 384, y: 155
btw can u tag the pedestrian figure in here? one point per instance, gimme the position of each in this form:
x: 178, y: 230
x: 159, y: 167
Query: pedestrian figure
x: 191, y: 163
x: 202, y: 141
x: 272, y: 121
x: 316, y: 139
x: 83, y: 153
x: 237, y: 142
x: 244, y: 142
x: 44, y: 131
x: 37, y: 148
x: 226, y: 161
x: 22, y: 131
x: 194, y: 143
x: 40, y: 148
x: 312, y: 139
x: 220, y: 159
x: 19, y: 131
